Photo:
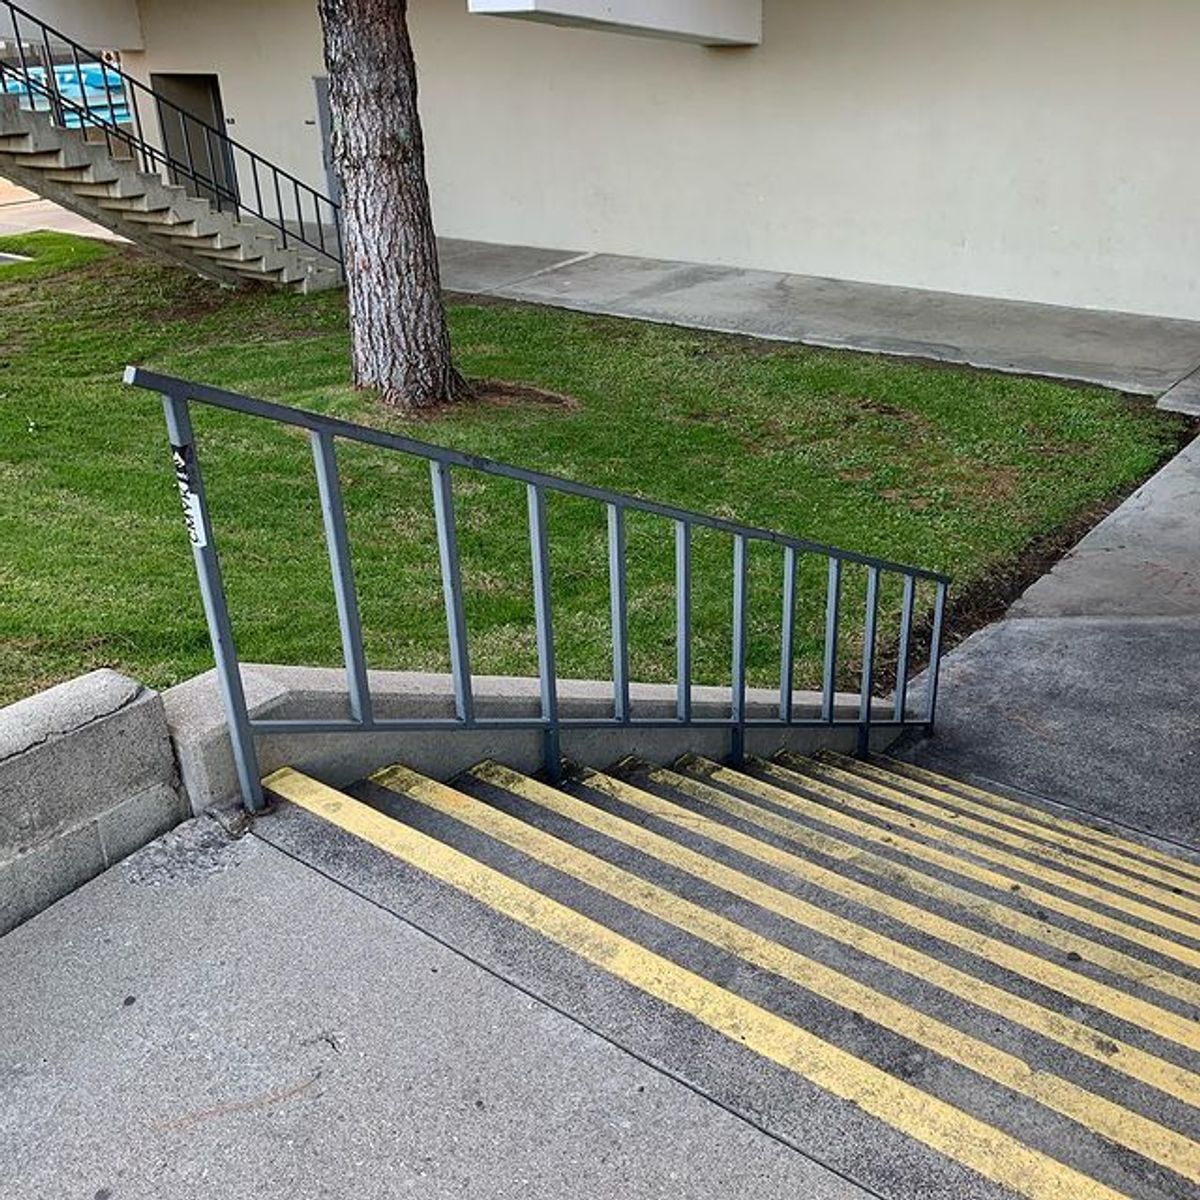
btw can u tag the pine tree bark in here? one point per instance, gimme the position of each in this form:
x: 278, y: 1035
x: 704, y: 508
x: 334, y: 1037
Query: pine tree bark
x: 400, y: 340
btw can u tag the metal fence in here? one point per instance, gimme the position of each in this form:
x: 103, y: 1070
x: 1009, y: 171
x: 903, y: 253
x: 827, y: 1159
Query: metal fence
x: 105, y: 103
x: 325, y: 432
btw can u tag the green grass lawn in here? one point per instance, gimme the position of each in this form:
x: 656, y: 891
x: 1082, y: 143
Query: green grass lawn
x: 950, y: 469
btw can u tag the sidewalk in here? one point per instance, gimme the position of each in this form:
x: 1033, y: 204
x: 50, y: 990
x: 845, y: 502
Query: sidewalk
x: 213, y: 1018
x: 1087, y: 691
x: 23, y: 212
x: 1150, y: 356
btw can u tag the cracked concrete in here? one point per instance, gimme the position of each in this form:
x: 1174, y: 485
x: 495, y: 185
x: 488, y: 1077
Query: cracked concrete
x: 87, y: 776
x: 33, y: 722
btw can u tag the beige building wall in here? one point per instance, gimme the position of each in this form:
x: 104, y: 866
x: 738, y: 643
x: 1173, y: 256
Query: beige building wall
x: 97, y: 24
x: 1016, y: 148
x: 266, y: 54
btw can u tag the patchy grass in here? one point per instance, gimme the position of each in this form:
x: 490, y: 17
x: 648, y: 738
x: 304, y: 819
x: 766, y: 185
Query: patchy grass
x: 952, y: 469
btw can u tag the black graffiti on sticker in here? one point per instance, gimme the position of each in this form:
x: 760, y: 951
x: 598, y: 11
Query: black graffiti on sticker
x: 181, y: 460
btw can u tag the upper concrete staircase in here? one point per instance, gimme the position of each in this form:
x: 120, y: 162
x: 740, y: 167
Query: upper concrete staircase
x: 936, y: 990
x: 104, y: 183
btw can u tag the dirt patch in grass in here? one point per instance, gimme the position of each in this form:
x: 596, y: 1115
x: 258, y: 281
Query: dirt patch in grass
x: 497, y: 393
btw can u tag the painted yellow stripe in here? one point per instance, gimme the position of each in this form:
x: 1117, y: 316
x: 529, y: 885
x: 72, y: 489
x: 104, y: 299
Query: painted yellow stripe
x: 1048, y: 974
x: 1119, y: 963
x: 1172, y: 870
x: 1102, y: 1116
x: 1119, y: 1056
x: 885, y: 798
x: 938, y: 1125
x: 1159, y: 887
x: 1116, y: 961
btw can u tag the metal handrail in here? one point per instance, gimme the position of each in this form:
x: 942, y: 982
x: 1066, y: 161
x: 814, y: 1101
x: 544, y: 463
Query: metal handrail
x: 312, y: 212
x: 178, y: 395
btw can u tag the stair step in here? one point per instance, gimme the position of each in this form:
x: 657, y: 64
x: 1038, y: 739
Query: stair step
x: 1134, y: 894
x: 648, y: 877
x: 1095, y: 841
x: 86, y: 181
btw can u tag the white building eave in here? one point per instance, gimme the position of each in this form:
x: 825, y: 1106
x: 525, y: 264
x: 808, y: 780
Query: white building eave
x: 707, y: 22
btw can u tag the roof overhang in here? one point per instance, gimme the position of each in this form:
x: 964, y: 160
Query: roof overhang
x: 707, y: 22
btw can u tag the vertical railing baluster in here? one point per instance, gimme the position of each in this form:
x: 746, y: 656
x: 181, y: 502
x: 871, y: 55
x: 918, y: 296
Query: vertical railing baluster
x: 111, y: 122
x: 452, y: 590
x: 212, y: 596
x: 935, y: 655
x: 316, y: 199
x: 299, y: 210
x: 187, y: 148
x: 257, y: 183
x: 870, y: 632
x: 53, y: 95
x: 283, y: 233
x: 833, y: 602
x: 349, y: 618
x: 787, y: 653
x: 618, y: 604
x: 135, y: 111
x: 906, y: 623
x: 683, y: 620
x: 547, y: 671
x: 85, y: 104
x: 23, y: 59
x: 212, y: 166
x: 738, y: 740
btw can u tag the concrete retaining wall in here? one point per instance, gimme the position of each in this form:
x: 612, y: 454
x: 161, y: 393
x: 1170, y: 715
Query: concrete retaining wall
x: 87, y: 776
x: 94, y: 769
x: 197, y: 725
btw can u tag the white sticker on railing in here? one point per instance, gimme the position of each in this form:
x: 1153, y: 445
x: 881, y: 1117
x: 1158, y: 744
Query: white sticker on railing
x: 193, y: 517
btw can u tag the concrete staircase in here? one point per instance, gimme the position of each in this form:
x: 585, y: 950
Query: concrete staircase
x: 934, y: 989
x: 105, y: 185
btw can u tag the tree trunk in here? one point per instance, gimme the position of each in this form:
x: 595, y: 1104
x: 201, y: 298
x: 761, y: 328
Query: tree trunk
x: 401, y: 344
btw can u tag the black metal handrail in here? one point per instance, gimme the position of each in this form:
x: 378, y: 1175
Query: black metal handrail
x: 215, y: 163
x: 178, y: 395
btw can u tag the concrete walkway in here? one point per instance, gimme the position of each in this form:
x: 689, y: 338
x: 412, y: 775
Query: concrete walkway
x: 212, y: 1018
x: 23, y: 212
x: 1144, y: 355
x: 1087, y: 692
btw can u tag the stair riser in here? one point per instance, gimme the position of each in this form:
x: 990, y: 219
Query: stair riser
x: 104, y: 183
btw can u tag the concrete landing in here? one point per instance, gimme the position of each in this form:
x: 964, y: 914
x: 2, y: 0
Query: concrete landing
x: 215, y: 1019
x: 1139, y: 354
x: 1087, y: 690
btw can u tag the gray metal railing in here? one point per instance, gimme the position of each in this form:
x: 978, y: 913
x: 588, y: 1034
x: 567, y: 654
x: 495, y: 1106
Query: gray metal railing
x: 179, y: 394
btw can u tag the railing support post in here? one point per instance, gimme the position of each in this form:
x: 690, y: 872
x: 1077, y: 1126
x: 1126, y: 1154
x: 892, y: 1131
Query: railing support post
x: 870, y: 631
x: 539, y: 544
x: 337, y: 540
x: 452, y: 589
x: 737, y: 748
x: 212, y: 595
x: 618, y: 604
x: 683, y: 621
x: 935, y: 657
